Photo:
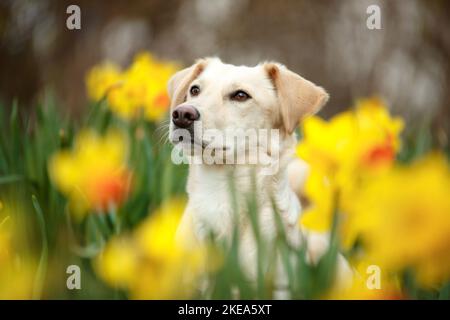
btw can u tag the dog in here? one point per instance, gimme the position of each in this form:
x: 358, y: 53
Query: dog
x: 226, y: 98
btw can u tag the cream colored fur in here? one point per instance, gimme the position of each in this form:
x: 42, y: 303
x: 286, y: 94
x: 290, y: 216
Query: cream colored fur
x: 279, y: 99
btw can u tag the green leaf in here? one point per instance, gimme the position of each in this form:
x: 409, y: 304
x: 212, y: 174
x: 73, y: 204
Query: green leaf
x: 11, y: 179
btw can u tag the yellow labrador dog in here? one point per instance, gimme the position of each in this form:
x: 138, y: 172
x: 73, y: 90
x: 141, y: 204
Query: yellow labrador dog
x: 224, y: 99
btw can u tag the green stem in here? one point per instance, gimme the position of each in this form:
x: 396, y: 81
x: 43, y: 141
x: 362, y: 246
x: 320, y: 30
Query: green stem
x: 43, y: 260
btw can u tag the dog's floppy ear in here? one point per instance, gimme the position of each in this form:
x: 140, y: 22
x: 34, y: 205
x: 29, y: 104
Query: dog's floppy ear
x: 298, y: 97
x: 180, y: 81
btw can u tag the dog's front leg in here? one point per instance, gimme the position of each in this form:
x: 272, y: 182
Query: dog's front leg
x: 318, y: 244
x: 187, y: 233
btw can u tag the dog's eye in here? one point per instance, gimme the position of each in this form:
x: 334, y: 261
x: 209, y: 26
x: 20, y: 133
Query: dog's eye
x: 240, y: 96
x: 194, y: 91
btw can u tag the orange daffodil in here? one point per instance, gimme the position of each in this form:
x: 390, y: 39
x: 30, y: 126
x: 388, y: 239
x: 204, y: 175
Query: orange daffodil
x: 343, y: 153
x: 399, y: 214
x: 138, y: 90
x: 94, y: 174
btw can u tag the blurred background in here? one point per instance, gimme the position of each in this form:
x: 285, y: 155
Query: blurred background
x: 328, y: 42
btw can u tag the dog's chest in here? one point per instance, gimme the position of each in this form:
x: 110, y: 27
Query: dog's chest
x: 211, y: 199
x: 215, y: 208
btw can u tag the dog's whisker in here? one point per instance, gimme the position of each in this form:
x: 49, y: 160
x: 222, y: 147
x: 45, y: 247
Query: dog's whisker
x: 162, y: 129
x: 160, y: 139
x: 162, y: 126
x: 163, y: 138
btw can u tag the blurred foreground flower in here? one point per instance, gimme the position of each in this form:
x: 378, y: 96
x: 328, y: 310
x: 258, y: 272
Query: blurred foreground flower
x: 403, y: 220
x: 140, y: 89
x: 360, y: 291
x: 17, y: 269
x: 343, y: 153
x: 93, y: 175
x: 149, y: 263
x: 369, y: 282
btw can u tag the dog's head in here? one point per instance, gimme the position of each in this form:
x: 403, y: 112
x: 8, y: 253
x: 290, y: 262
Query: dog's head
x: 226, y: 98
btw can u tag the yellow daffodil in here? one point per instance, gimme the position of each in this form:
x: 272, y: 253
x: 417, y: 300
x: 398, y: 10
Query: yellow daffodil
x: 119, y: 262
x: 153, y: 265
x: 403, y: 219
x: 102, y: 80
x: 343, y: 153
x: 138, y: 90
x: 369, y: 282
x: 359, y: 290
x: 17, y: 266
x: 5, y: 240
x: 94, y: 174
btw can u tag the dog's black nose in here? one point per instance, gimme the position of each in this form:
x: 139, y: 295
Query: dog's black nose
x: 184, y: 116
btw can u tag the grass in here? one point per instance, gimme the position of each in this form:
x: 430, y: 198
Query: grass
x: 28, y: 141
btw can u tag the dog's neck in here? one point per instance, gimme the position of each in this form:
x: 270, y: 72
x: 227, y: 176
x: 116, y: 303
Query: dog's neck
x: 210, y: 196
